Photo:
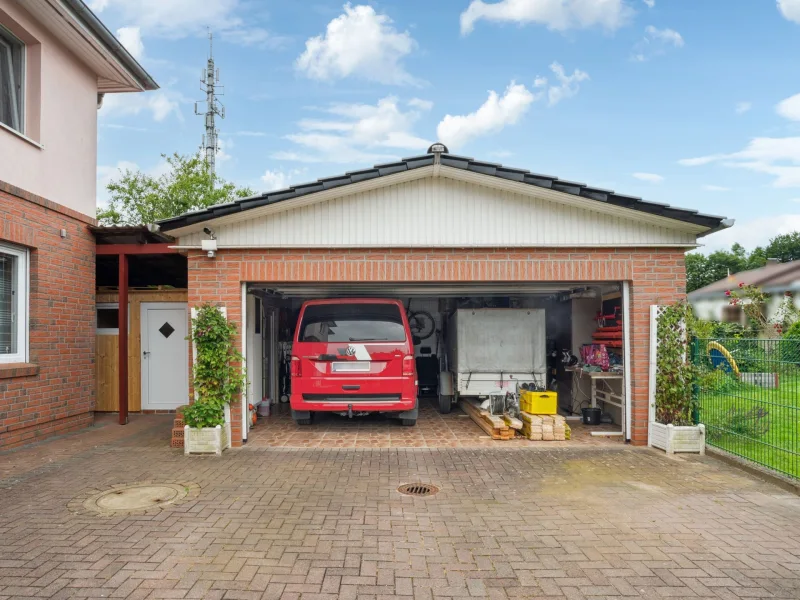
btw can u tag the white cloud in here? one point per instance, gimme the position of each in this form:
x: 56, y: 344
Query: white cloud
x: 743, y: 107
x: 357, y: 133
x: 131, y: 38
x: 492, y: 116
x: 716, y: 188
x: 224, y: 146
x: 790, y: 9
x: 649, y: 3
x: 420, y: 104
x: 359, y: 43
x: 649, y: 177
x: 160, y: 104
x: 558, y: 15
x: 752, y: 233
x: 779, y: 157
x: 177, y: 19
x: 247, y: 133
x: 279, y: 179
x: 656, y: 42
x: 789, y: 108
x: 568, y: 85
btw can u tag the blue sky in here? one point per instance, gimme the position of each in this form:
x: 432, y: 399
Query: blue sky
x: 692, y: 103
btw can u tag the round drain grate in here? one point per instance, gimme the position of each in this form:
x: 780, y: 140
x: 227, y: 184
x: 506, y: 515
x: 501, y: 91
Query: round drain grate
x: 135, y: 498
x: 418, y: 489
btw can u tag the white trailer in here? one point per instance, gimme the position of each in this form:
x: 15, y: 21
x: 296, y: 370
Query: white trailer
x: 490, y: 350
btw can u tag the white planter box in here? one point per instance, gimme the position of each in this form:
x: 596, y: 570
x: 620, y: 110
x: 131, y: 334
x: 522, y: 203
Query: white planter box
x: 206, y: 440
x: 673, y: 439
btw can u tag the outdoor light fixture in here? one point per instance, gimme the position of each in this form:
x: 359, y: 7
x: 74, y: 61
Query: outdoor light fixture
x: 209, y: 246
x: 438, y: 148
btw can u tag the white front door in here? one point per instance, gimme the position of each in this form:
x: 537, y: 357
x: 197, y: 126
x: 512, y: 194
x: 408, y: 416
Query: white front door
x: 165, y: 356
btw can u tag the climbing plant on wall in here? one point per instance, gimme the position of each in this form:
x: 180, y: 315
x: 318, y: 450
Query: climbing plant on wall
x: 675, y: 372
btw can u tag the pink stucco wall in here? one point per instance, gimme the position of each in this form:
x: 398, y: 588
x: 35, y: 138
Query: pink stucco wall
x: 61, y: 115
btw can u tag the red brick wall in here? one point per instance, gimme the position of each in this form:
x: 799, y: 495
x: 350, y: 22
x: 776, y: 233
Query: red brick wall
x: 656, y: 276
x: 54, y: 393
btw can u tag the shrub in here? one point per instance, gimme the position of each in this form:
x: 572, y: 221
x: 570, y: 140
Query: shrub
x: 675, y: 372
x: 203, y: 414
x: 217, y: 376
x: 717, y: 381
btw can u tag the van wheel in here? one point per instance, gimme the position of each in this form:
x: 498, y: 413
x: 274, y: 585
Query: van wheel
x: 445, y: 404
x: 301, y: 417
x: 408, y: 422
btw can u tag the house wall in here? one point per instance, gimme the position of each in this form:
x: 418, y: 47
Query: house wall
x: 60, y: 115
x: 55, y: 391
x: 657, y: 276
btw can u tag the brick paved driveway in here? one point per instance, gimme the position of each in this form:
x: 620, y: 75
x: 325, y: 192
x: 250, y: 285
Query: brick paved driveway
x: 594, y: 522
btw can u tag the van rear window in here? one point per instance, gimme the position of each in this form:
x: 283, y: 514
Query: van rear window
x: 352, y: 323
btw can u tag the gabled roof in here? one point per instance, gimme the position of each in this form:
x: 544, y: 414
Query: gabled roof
x: 774, y: 276
x: 711, y: 222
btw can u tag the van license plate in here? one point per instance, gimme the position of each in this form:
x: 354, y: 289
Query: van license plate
x: 354, y: 366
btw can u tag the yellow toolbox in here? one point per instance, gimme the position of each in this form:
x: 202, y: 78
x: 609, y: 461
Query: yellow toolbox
x: 538, y: 403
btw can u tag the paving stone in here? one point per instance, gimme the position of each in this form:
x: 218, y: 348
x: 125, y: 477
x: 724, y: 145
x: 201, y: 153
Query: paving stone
x: 517, y: 521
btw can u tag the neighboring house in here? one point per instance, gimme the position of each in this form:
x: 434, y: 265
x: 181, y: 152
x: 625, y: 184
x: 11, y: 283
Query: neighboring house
x: 437, y: 228
x: 56, y: 63
x: 711, y: 303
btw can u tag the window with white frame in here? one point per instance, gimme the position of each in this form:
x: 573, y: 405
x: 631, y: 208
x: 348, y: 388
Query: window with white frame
x: 12, y: 70
x: 13, y: 304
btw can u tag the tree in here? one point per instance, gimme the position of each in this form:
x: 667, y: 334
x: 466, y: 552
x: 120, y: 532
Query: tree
x: 704, y: 270
x: 784, y: 247
x: 140, y: 199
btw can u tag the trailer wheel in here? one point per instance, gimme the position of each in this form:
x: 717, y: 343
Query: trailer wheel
x: 445, y: 404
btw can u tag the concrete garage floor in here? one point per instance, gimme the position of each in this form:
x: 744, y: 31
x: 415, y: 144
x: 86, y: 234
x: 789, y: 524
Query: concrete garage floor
x: 536, y: 522
x: 433, y: 430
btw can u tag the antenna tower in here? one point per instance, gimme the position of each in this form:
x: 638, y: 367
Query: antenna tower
x: 209, y: 83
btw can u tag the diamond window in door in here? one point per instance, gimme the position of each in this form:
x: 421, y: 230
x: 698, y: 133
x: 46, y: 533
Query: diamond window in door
x: 166, y: 329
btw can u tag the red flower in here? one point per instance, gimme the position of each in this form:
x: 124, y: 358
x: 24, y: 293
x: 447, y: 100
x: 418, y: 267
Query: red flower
x: 788, y: 294
x: 727, y: 292
x: 741, y: 285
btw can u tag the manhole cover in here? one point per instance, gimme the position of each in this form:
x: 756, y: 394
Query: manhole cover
x: 135, y: 498
x: 418, y: 489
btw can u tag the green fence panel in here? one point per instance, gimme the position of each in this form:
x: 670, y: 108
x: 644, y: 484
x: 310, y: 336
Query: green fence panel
x: 748, y: 397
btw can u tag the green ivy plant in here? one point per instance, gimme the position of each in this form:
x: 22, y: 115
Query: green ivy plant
x: 217, y: 374
x: 675, y: 372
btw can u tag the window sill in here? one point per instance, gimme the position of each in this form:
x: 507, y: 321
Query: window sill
x: 11, y: 370
x: 21, y: 136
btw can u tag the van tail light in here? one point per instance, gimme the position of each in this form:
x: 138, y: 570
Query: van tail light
x: 408, y: 366
x: 296, y: 371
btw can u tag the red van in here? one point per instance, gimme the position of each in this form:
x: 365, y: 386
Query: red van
x: 353, y: 356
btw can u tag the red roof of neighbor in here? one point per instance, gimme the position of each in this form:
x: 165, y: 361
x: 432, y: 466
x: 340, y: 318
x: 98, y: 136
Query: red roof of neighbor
x: 771, y: 275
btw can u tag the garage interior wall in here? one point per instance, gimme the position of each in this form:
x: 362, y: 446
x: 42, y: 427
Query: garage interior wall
x: 655, y: 276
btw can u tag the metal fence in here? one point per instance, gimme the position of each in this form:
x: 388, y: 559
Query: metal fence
x: 748, y: 397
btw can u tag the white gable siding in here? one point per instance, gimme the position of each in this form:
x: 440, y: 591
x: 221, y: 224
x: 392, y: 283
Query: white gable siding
x: 435, y: 212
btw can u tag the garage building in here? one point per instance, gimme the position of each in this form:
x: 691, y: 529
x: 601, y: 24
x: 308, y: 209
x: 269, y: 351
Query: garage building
x: 442, y: 232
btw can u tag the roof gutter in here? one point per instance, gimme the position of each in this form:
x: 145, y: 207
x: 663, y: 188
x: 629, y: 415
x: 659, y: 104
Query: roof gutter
x: 724, y: 224
x: 96, y: 26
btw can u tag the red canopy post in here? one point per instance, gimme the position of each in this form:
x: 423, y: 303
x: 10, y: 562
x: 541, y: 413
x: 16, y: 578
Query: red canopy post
x: 123, y: 339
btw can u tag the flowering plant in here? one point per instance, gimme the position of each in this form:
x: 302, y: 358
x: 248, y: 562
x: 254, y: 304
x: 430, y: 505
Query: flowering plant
x: 753, y: 301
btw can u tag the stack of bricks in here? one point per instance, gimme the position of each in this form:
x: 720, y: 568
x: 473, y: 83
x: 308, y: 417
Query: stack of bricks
x: 544, y: 427
x: 177, y: 429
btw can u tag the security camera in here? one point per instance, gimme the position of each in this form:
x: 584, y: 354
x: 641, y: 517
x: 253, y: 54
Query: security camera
x: 211, y: 254
x: 209, y: 233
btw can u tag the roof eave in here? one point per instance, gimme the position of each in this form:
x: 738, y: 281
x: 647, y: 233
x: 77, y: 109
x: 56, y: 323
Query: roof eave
x: 140, y: 79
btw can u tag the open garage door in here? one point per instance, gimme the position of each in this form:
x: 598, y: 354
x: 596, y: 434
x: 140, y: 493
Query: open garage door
x: 584, y: 325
